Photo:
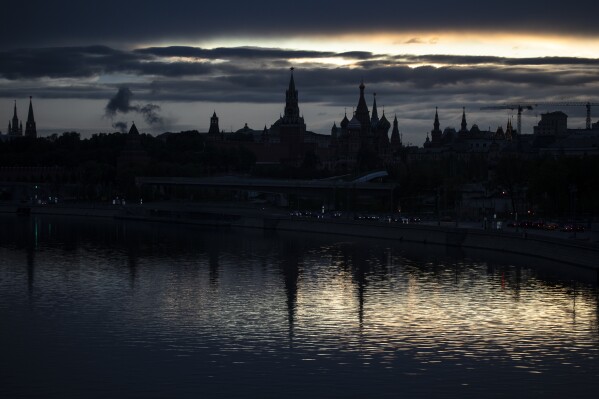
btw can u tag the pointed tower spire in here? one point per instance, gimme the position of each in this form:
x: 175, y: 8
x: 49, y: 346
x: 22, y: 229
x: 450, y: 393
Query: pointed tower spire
x: 334, y: 132
x: 375, y: 114
x: 509, y: 130
x: 30, y: 129
x: 292, y: 114
x: 214, y: 129
x: 362, y: 113
x: 436, y: 134
x: 30, y: 114
x: 395, y: 138
x: 133, y: 130
x: 15, y: 121
x: 291, y: 81
x: 464, y: 126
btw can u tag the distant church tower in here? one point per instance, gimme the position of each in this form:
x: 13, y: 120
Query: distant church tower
x: 436, y: 133
x: 15, y: 129
x: 292, y: 127
x: 362, y: 114
x: 291, y: 115
x: 30, y: 130
x: 464, y: 125
x: 214, y: 130
x: 395, y: 137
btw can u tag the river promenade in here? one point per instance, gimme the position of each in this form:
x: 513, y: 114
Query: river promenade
x: 580, y: 250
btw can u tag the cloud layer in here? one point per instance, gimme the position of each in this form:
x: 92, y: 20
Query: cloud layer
x: 407, y: 84
x: 256, y: 74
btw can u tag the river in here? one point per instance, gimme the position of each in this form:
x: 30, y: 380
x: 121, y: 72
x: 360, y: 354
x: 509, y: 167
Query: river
x: 98, y: 308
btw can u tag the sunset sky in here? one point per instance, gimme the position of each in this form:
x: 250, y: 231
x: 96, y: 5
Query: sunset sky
x: 182, y: 60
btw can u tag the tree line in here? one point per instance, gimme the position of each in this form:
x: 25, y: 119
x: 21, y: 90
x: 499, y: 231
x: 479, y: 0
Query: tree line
x: 92, y: 165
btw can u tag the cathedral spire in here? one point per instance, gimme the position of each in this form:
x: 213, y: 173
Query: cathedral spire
x: 374, y: 120
x: 15, y: 119
x: 30, y: 129
x: 436, y: 134
x: 464, y: 126
x: 395, y: 138
x: 375, y: 114
x: 509, y: 130
x: 30, y: 114
x: 15, y: 130
x: 362, y: 113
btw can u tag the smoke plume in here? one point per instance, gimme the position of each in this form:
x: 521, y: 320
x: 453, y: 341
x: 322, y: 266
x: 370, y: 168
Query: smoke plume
x: 121, y: 103
x: 121, y: 126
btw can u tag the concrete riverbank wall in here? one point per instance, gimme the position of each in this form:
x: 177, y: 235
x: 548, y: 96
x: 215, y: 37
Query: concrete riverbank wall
x: 569, y: 252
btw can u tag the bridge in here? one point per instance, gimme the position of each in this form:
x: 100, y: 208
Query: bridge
x: 328, y: 190
x: 363, y: 184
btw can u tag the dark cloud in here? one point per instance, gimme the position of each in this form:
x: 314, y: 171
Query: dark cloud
x: 233, y: 52
x: 241, y: 81
x: 57, y: 62
x: 136, y: 21
x: 121, y: 103
x: 355, y: 55
x: 79, y: 62
x: 245, y: 75
x: 92, y: 61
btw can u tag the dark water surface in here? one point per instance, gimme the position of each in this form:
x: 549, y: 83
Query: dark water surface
x: 103, y: 309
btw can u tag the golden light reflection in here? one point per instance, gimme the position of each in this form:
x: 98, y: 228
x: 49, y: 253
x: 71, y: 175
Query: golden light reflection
x: 337, y: 303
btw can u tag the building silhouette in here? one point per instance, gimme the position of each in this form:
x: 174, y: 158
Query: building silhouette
x: 363, y: 142
x: 133, y: 155
x: 15, y: 127
x: 214, y: 131
x: 291, y: 128
x: 286, y: 142
x: 364, y: 133
x: 552, y: 124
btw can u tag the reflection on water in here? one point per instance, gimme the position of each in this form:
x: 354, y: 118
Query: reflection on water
x: 103, y: 309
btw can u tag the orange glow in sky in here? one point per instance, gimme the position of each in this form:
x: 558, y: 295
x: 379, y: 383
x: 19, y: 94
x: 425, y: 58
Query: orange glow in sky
x: 419, y: 43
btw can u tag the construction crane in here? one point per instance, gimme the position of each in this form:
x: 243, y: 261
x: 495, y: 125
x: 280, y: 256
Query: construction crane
x: 573, y: 104
x: 519, y: 107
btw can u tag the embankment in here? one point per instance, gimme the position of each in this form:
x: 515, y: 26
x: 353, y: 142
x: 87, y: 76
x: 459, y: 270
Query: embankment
x: 564, y: 251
